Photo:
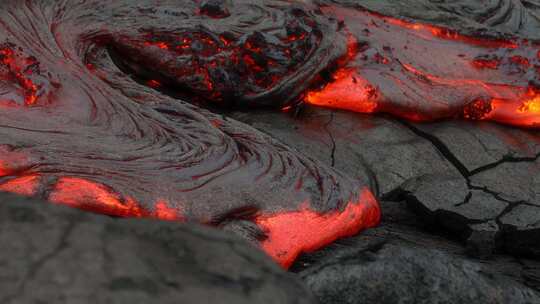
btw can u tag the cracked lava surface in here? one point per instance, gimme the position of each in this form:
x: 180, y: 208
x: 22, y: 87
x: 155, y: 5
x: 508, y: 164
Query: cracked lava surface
x: 88, y: 118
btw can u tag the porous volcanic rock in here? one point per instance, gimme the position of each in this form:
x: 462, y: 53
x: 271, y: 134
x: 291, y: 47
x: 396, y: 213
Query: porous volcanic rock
x: 55, y: 254
x: 398, y: 274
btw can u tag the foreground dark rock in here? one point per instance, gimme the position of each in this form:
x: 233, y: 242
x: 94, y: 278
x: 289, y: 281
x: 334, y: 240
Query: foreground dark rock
x: 397, y: 274
x: 55, y: 254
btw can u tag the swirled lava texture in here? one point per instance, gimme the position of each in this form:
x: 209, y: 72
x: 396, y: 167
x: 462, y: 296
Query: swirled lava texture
x: 78, y: 130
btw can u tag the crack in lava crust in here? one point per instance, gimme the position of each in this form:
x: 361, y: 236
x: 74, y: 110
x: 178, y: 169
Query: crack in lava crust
x: 76, y: 130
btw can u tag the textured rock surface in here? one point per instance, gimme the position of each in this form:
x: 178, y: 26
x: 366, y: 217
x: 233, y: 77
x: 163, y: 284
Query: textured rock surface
x: 77, y: 129
x: 55, y: 254
x: 430, y: 170
x: 500, y: 170
x: 394, y: 274
x: 455, y: 191
x: 402, y: 227
x: 519, y: 17
x: 376, y: 150
x: 463, y: 177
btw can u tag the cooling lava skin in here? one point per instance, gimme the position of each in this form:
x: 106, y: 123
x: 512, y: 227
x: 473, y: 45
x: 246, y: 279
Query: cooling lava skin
x: 76, y: 130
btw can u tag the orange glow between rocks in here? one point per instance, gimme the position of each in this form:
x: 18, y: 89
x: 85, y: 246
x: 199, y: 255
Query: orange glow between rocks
x: 432, y: 31
x: 11, y: 162
x: 292, y: 233
x: 91, y: 196
x: 525, y: 111
x: 162, y: 211
x: 356, y: 83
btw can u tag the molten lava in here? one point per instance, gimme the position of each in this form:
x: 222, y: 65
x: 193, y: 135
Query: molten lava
x: 82, y: 122
x: 94, y: 109
x: 422, y: 72
x: 312, y: 230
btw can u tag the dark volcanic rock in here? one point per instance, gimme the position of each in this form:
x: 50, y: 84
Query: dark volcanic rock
x: 373, y: 149
x: 477, y: 216
x: 460, y: 176
x: 54, y: 254
x: 522, y: 230
x: 451, y: 194
x: 77, y: 129
x: 479, y: 145
x: 512, y: 181
x: 402, y: 227
x: 447, y: 200
x: 397, y: 274
x: 497, y: 192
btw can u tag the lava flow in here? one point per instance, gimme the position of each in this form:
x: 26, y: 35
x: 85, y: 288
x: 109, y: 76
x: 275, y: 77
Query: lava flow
x: 99, y: 106
x: 423, y: 73
x: 82, y: 124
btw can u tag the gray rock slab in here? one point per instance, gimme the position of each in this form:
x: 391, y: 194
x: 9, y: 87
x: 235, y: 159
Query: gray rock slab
x: 56, y: 254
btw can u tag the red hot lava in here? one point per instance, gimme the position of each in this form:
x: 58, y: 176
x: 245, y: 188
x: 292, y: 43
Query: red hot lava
x: 79, y: 127
x: 423, y: 72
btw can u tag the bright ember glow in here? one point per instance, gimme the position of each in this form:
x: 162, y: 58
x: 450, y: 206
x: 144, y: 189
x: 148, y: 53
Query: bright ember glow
x: 96, y: 131
x: 84, y: 194
x: 11, y: 162
x: 422, y: 72
x: 17, y: 69
x: 348, y: 91
x: 531, y: 106
x: 291, y: 233
x: 26, y: 185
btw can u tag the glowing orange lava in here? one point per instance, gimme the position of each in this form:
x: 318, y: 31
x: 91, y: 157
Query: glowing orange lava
x: 84, y: 194
x: 19, y: 69
x: 26, y: 185
x: 288, y: 233
x: 423, y: 72
x: 291, y: 233
x: 348, y: 91
x: 11, y: 162
x: 531, y: 106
